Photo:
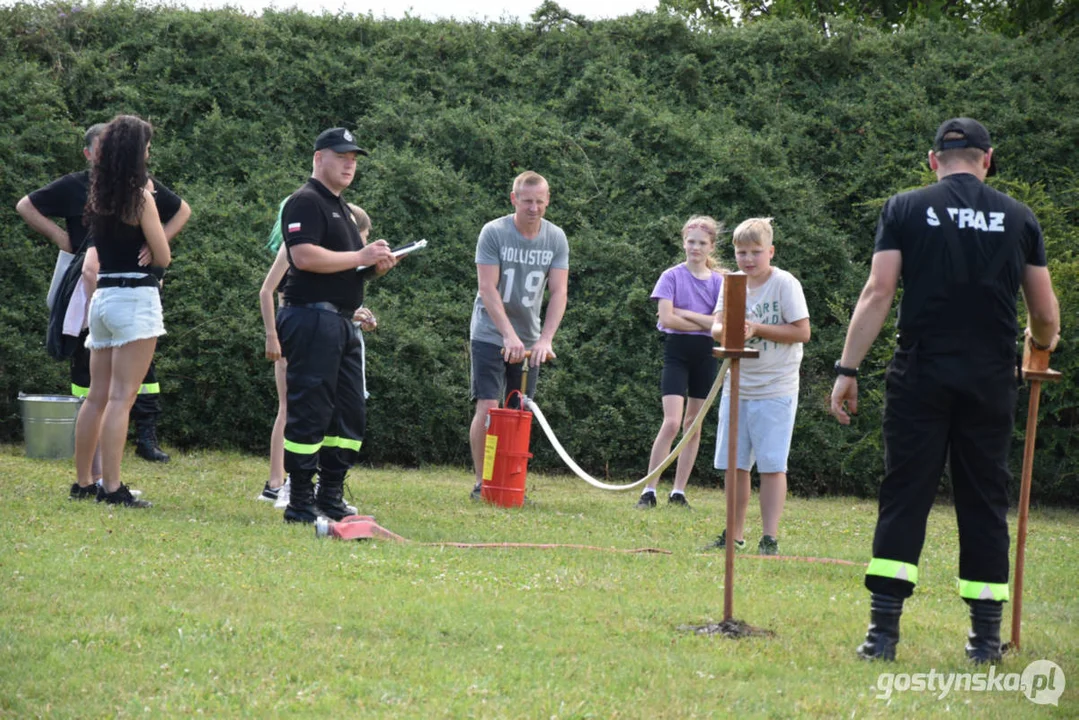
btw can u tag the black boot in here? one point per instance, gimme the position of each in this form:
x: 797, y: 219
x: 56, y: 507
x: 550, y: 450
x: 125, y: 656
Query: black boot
x: 301, y: 502
x: 146, y: 446
x: 983, y: 642
x: 330, y: 497
x: 883, y: 633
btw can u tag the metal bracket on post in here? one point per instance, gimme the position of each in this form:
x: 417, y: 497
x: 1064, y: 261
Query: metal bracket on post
x: 524, y: 377
x: 732, y: 347
x: 524, y: 380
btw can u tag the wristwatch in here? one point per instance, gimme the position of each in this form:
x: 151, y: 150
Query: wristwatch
x: 845, y: 371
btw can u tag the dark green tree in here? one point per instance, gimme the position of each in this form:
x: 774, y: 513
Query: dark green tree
x: 637, y: 122
x: 1003, y: 16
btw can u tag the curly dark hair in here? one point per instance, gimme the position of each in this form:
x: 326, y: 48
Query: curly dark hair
x: 118, y: 175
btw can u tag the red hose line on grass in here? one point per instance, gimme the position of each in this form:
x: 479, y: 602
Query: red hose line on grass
x: 365, y: 528
x: 544, y: 546
x: 826, y: 561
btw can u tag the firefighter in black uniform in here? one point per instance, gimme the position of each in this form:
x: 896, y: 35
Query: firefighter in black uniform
x: 963, y: 251
x: 326, y: 410
x: 66, y: 198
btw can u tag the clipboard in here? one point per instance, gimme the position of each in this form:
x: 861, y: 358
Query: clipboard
x: 400, y: 252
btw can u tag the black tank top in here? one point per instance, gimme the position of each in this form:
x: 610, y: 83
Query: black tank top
x: 118, y: 250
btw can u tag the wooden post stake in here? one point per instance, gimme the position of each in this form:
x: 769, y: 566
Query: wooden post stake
x: 733, y: 348
x: 1036, y: 369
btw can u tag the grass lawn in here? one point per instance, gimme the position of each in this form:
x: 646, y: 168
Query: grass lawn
x: 209, y: 605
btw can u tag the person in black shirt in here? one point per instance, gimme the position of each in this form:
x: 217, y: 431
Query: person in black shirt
x: 66, y: 198
x: 324, y: 377
x: 963, y: 251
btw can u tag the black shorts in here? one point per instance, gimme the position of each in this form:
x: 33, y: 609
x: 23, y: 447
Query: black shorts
x: 688, y: 365
x: 493, y: 378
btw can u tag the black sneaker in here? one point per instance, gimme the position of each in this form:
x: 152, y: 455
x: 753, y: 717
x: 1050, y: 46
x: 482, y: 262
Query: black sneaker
x: 477, y: 492
x: 122, y: 496
x: 678, y: 500
x: 268, y: 494
x: 768, y: 546
x: 78, y: 492
x: 647, y: 500
x: 720, y: 543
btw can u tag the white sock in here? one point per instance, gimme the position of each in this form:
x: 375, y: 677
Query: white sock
x: 676, y: 492
x: 648, y: 490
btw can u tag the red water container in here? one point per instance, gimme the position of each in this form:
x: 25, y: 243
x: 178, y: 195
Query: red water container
x: 505, y: 457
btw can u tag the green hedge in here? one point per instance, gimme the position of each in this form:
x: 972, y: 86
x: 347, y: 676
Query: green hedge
x: 637, y: 122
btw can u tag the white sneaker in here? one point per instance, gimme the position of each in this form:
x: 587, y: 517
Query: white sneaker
x: 283, y: 494
x: 134, y: 493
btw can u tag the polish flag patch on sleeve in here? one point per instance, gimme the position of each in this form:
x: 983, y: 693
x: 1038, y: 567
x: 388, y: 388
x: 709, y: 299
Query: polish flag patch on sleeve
x: 294, y: 227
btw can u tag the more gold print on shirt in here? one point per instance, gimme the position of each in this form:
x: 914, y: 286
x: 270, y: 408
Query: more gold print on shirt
x: 766, y: 313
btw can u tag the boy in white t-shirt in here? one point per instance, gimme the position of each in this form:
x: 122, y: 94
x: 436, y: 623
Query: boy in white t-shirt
x: 777, y: 323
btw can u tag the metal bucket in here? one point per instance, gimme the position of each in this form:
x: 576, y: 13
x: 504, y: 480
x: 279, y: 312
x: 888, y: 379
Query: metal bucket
x: 48, y: 423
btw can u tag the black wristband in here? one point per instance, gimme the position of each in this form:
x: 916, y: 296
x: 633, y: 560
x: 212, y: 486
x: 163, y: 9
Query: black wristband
x: 845, y: 371
x: 1037, y: 345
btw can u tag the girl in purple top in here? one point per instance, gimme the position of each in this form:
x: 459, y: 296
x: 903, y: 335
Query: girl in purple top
x: 687, y: 294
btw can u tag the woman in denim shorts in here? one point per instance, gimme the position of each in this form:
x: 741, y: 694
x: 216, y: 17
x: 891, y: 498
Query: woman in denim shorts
x: 125, y: 310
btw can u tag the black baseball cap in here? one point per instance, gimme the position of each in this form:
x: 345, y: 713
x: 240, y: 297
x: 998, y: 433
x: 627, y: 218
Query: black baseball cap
x: 338, y: 139
x: 972, y: 135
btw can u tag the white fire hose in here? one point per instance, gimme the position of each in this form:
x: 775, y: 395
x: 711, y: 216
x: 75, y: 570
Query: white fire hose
x: 693, y: 429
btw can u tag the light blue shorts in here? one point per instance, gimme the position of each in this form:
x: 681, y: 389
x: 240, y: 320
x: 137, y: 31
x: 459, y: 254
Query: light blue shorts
x: 119, y: 315
x: 765, y: 428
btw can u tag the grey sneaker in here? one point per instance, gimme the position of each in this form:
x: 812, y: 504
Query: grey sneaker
x: 477, y: 492
x: 720, y: 543
x: 768, y: 546
x: 647, y: 501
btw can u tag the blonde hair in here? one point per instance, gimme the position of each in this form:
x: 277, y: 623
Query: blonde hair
x: 528, y: 179
x: 754, y: 231
x: 363, y: 220
x: 712, y: 229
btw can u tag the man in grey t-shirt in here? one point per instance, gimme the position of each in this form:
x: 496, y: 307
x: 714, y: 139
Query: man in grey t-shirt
x: 517, y: 256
